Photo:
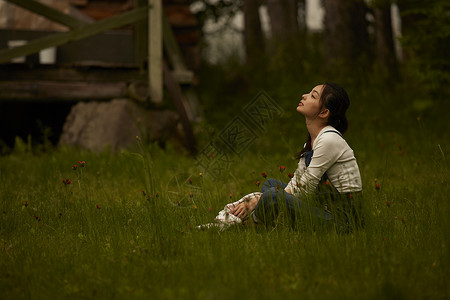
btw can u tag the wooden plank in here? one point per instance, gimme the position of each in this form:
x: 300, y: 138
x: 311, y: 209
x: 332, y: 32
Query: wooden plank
x: 140, y: 36
x: 181, y: 106
x: 79, y: 15
x: 16, y: 73
x: 79, y: 2
x: 191, y: 97
x: 112, y: 48
x: 155, y: 48
x: 171, y: 46
x: 180, y: 15
x: 77, y: 34
x: 49, y: 13
x: 61, y: 91
x: 183, y: 76
x: 181, y: 73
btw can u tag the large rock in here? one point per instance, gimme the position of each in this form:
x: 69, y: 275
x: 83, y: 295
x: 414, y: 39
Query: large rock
x: 98, y: 125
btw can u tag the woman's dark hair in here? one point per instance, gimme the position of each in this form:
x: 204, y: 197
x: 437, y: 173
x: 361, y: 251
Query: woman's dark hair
x: 336, y: 100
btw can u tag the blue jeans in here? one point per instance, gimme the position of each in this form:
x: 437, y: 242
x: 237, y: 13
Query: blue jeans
x: 273, y: 197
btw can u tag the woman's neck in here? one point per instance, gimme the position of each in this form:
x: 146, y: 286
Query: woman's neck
x: 314, y: 128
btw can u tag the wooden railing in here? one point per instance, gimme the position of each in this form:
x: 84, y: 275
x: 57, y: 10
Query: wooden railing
x: 149, y: 39
x: 80, y: 30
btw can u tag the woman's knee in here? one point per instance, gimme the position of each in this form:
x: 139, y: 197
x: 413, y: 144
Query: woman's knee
x: 267, y: 207
x: 273, y: 183
x: 269, y: 196
x: 268, y: 183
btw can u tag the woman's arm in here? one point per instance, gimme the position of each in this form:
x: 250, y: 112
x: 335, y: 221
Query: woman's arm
x: 243, y: 209
x: 328, y: 148
x: 291, y: 187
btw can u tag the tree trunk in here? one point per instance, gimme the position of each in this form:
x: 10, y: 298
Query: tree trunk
x: 291, y: 11
x: 409, y: 21
x: 253, y: 35
x: 301, y: 5
x: 283, y: 19
x: 346, y: 36
x: 384, y: 41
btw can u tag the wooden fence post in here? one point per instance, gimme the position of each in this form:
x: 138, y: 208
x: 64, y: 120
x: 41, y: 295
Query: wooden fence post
x: 155, y: 44
x: 140, y: 36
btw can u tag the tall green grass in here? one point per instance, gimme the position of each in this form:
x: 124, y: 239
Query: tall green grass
x: 118, y: 231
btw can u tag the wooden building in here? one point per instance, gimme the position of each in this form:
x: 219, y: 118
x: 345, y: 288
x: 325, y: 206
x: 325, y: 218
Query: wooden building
x: 110, y: 64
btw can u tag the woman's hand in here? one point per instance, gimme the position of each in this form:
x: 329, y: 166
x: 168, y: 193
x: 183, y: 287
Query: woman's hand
x: 243, y: 209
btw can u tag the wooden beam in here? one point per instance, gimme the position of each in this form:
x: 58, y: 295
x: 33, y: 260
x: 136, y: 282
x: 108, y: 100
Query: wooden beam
x: 181, y: 106
x: 79, y: 15
x: 15, y: 73
x: 49, y: 13
x: 155, y: 46
x: 171, y: 46
x: 77, y: 34
x: 61, y: 91
x: 140, y: 36
x: 113, y: 73
x: 181, y: 73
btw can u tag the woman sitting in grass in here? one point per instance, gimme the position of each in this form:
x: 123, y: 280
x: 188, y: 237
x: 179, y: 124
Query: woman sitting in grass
x: 326, y: 187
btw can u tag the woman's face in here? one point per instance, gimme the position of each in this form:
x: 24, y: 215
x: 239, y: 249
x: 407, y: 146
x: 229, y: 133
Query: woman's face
x: 309, y: 105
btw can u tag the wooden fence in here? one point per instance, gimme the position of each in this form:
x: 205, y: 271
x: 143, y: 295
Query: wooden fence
x: 152, y: 32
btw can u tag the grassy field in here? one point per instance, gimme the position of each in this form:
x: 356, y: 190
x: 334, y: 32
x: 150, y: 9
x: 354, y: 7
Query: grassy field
x: 124, y: 228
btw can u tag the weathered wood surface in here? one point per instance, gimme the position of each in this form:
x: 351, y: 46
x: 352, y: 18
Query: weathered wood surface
x: 79, y: 2
x: 73, y: 35
x: 155, y: 51
x: 15, y: 17
x: 186, y: 31
x: 61, y: 91
x: 182, y: 107
x: 171, y: 46
x: 74, y: 13
x: 98, y: 10
x: 111, y: 49
x: 70, y: 85
x: 88, y: 73
x: 180, y: 15
x: 140, y: 34
x: 49, y: 12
